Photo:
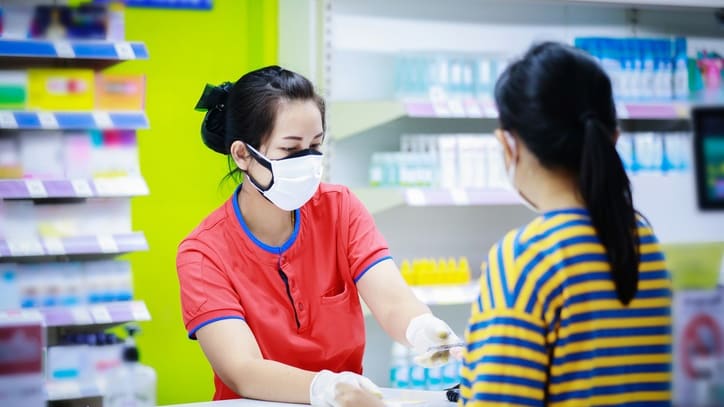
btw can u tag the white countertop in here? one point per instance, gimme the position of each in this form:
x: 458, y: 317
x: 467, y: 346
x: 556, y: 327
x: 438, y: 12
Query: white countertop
x: 392, y: 397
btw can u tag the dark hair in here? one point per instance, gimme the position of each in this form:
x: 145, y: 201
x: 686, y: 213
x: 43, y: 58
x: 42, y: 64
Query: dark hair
x: 559, y: 102
x: 247, y: 109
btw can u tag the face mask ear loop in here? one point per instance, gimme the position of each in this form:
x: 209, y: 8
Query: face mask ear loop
x: 264, y: 162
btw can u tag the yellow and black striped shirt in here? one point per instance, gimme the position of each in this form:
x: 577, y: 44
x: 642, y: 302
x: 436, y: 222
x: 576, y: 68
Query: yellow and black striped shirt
x: 548, y: 328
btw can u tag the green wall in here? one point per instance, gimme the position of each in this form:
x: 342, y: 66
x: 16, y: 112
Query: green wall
x: 187, y: 50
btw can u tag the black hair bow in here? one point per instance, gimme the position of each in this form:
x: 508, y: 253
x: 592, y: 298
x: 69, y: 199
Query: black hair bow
x: 213, y: 96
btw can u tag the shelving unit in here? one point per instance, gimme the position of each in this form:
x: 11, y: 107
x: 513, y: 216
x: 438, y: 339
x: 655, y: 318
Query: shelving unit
x: 365, y: 115
x: 72, y: 188
x: 101, y: 314
x: 18, y: 54
x: 351, y: 118
x: 75, y: 245
x: 97, y: 53
x: 72, y: 120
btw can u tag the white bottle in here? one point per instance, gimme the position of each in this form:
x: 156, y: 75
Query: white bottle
x: 132, y: 384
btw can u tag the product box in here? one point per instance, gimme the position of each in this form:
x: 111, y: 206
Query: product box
x: 87, y: 21
x: 22, y: 340
x: 13, y: 89
x: 10, y: 162
x: 120, y: 92
x: 61, y: 89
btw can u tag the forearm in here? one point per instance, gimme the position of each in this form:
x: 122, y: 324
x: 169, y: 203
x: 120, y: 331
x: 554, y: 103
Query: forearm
x: 395, y: 318
x: 273, y: 381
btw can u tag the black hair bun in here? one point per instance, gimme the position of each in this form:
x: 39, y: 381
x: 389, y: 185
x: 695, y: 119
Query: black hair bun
x: 213, y: 127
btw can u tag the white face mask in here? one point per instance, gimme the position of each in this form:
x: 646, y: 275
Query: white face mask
x: 294, y: 179
x: 511, y: 173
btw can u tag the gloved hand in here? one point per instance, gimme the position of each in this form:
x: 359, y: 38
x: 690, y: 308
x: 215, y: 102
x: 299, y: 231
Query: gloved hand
x: 323, y: 390
x: 427, y: 334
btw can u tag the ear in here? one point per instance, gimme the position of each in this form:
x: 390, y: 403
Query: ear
x: 508, y: 143
x: 239, y: 154
x: 616, y: 135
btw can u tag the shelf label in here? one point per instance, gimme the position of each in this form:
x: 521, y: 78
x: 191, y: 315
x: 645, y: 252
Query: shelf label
x: 139, y: 312
x: 64, y: 390
x: 107, y: 244
x: 105, y: 187
x: 81, y: 188
x: 135, y: 186
x: 456, y: 108
x: 415, y: 197
x: 7, y: 120
x: 102, y: 120
x: 53, y: 246
x: 472, y: 109
x: 124, y: 50
x: 48, y: 121
x: 100, y: 315
x: 36, y: 189
x: 31, y: 247
x: 63, y: 49
x: 459, y: 196
x: 81, y: 316
x: 621, y: 111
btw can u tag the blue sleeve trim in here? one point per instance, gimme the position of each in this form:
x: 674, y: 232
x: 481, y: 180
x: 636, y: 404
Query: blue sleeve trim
x: 374, y: 263
x: 192, y: 334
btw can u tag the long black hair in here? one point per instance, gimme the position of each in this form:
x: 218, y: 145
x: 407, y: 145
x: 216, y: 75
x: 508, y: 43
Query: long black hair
x: 246, y: 110
x: 559, y: 102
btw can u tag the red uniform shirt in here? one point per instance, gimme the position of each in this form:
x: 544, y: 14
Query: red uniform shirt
x: 299, y: 300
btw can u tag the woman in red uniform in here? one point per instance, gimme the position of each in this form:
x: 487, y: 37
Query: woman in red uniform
x: 271, y: 281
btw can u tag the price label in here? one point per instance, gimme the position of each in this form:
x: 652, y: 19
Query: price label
x: 456, y: 108
x: 100, y: 315
x: 621, y: 111
x: 81, y: 188
x: 53, y: 246
x: 81, y: 316
x: 20, y: 248
x: 124, y: 50
x: 104, y: 187
x: 36, y: 189
x: 102, y: 120
x: 415, y: 197
x: 472, y: 109
x: 107, y: 244
x: 136, y: 186
x: 64, y: 49
x: 48, y: 121
x: 7, y: 120
x: 139, y: 312
x: 459, y: 196
x: 63, y: 390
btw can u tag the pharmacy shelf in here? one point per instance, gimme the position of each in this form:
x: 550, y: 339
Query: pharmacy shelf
x: 350, y: 118
x: 98, y: 314
x: 77, y: 245
x: 381, y: 199
x: 447, y: 295
x: 49, y: 120
x: 75, y: 188
x: 656, y: 3
x: 79, y: 49
x: 72, y: 390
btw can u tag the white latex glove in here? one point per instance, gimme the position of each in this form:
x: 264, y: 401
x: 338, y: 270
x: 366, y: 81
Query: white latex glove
x: 323, y: 390
x: 426, y: 334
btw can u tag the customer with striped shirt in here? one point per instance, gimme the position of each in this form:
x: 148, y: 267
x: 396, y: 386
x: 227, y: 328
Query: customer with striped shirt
x: 575, y: 307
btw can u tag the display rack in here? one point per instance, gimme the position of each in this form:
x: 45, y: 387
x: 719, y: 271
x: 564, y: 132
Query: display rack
x: 19, y: 53
x: 365, y: 115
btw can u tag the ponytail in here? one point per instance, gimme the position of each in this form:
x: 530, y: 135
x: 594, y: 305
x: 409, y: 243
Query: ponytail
x: 606, y: 191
